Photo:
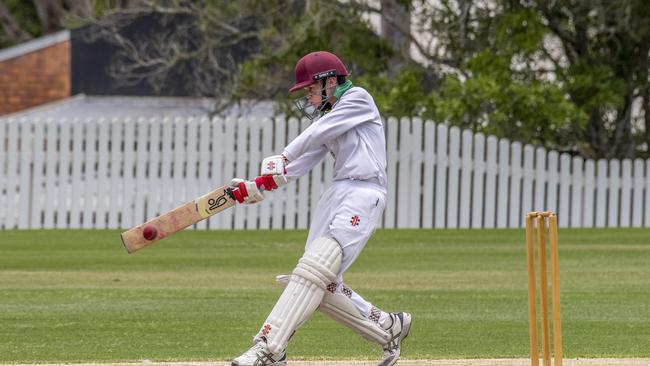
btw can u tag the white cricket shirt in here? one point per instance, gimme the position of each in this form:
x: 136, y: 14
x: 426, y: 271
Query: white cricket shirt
x: 353, y: 132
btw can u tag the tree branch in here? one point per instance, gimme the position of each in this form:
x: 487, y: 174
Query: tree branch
x: 49, y: 13
x: 423, y: 49
x: 15, y: 33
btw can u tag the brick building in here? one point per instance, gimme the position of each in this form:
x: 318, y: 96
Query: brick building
x: 76, y: 62
x: 35, y: 72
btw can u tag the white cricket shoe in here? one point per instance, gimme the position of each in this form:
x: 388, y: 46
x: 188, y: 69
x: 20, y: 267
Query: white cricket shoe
x: 399, y: 330
x: 259, y: 355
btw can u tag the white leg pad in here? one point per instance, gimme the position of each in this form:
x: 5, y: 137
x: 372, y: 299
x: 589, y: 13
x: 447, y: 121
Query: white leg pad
x: 304, y: 292
x: 340, y: 308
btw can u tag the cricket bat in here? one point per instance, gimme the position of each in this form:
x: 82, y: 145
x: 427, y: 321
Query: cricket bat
x: 178, y: 219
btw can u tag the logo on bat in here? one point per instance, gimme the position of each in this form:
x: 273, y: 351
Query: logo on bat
x: 215, y: 203
x: 210, y: 204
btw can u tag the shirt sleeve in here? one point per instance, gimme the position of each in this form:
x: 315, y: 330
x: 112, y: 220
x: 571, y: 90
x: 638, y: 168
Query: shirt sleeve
x: 347, y: 114
x: 305, y: 162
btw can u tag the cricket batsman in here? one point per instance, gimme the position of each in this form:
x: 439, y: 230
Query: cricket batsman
x: 346, y: 124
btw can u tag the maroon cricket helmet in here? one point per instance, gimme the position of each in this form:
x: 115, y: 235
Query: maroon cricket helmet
x: 316, y: 66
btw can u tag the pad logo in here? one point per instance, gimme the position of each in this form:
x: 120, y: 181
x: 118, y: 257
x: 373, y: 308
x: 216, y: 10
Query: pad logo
x: 267, y: 329
x: 347, y: 292
x: 270, y: 166
x: 332, y: 287
x: 355, y: 220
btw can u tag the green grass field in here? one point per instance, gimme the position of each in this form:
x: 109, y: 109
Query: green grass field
x: 72, y: 296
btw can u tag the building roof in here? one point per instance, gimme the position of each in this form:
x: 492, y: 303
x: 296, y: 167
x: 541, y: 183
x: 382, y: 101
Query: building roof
x: 34, y: 45
x: 84, y: 106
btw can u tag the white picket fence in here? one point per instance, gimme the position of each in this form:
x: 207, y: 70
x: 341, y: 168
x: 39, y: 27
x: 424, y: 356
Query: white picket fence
x: 99, y: 173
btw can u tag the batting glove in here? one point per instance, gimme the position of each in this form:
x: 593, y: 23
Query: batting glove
x: 273, y: 173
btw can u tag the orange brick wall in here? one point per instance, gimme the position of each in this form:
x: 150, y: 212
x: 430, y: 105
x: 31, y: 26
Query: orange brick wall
x: 35, y: 78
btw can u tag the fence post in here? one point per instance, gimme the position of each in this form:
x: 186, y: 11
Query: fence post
x: 576, y: 192
x: 588, y: 202
x: 614, y: 192
x: 515, y: 185
x: 415, y: 182
x: 442, y: 161
x: 465, y: 213
x: 637, y: 200
x: 601, y: 193
x: 528, y: 180
x: 404, y: 180
x: 428, y: 198
x: 626, y: 193
x: 502, y: 183
x: 13, y: 156
x: 88, y: 206
x: 490, y: 183
x: 25, y: 173
x: 453, y: 173
x: 565, y: 190
x: 390, y: 215
x: 478, y: 188
x: 103, y: 161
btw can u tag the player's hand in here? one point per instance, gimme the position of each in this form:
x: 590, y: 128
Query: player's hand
x: 273, y: 173
x: 246, y: 192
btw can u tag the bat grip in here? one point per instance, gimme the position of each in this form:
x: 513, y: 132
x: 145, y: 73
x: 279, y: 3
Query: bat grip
x: 237, y: 195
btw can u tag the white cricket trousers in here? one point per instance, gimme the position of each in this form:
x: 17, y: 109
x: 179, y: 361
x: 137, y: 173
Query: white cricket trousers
x: 349, y: 211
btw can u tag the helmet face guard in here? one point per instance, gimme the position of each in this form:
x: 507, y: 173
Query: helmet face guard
x: 306, y: 108
x: 304, y: 105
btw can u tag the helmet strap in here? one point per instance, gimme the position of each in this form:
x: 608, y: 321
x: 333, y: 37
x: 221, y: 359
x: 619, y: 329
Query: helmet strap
x: 325, y: 105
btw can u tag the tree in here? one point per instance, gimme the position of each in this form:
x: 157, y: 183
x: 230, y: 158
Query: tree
x: 234, y: 50
x: 497, y: 81
x: 606, y: 46
x: 13, y: 31
x: 395, y: 30
x: 316, y: 25
x: 22, y: 20
x: 565, y: 74
x: 204, y: 42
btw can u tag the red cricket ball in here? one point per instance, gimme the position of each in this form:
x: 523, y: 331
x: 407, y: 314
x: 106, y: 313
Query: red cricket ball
x: 149, y: 232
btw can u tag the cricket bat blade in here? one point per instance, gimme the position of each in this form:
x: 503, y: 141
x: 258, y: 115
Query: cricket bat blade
x: 178, y: 219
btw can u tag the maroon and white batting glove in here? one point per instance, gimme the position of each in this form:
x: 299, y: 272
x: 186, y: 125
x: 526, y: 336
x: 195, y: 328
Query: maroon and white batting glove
x: 245, y: 191
x: 273, y: 173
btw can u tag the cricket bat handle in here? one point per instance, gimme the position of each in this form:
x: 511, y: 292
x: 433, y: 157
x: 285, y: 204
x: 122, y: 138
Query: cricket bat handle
x: 259, y: 182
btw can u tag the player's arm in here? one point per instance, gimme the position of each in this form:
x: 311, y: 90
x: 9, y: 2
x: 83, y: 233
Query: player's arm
x: 305, y: 162
x: 276, y: 171
x: 348, y: 114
